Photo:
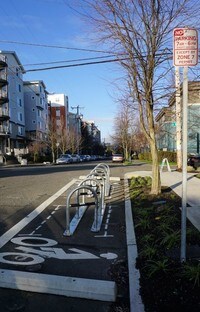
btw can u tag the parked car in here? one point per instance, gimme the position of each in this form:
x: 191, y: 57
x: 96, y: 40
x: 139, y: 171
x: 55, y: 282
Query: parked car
x: 83, y: 158
x: 117, y: 158
x: 88, y: 157
x: 64, y: 159
x: 75, y: 158
x: 194, y: 161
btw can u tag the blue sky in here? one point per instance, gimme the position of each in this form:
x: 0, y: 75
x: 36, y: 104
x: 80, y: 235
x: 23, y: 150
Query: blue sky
x: 52, y: 22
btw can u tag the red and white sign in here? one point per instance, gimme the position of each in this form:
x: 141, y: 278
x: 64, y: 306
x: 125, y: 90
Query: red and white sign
x: 185, y: 47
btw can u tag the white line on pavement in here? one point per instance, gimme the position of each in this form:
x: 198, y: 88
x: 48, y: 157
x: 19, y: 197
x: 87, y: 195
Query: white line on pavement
x: 31, y: 216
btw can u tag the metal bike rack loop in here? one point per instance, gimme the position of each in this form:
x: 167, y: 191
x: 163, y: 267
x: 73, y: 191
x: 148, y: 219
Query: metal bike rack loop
x: 80, y: 209
x: 105, y: 172
x: 100, y: 183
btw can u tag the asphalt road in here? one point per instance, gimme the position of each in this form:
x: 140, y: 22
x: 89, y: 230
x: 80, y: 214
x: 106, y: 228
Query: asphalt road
x: 22, y: 189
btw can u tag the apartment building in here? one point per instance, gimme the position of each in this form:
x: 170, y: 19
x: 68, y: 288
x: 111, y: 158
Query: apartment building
x: 58, y: 110
x: 12, y: 117
x: 93, y: 131
x: 36, y: 110
x: 27, y: 110
x: 166, y: 121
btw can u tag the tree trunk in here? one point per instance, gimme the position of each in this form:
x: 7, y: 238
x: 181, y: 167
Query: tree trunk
x: 156, y: 182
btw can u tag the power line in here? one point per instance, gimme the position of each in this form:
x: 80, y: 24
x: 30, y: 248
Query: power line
x: 75, y: 65
x: 90, y: 63
x: 55, y: 46
x: 69, y: 61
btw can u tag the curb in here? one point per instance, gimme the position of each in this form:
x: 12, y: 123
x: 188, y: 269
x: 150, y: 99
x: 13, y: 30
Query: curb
x: 136, y: 304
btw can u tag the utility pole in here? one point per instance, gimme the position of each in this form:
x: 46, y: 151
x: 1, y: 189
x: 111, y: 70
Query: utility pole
x: 78, y: 118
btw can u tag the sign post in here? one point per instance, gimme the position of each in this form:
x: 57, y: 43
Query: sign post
x: 185, y: 54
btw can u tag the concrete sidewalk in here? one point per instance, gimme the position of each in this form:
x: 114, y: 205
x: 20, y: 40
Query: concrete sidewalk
x: 173, y: 179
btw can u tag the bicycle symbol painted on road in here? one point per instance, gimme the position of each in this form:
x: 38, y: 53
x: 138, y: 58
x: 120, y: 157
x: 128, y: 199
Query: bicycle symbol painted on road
x: 34, y: 250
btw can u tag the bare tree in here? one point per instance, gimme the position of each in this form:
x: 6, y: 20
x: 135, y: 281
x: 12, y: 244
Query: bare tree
x: 122, y: 130
x: 139, y: 32
x: 52, y: 139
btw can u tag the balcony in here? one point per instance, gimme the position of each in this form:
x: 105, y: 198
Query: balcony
x: 3, y: 79
x: 3, y: 61
x: 4, y: 114
x: 4, y: 131
x: 3, y: 97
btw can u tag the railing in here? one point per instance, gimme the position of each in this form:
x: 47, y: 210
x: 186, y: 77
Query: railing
x: 4, y: 112
x: 90, y: 192
x: 3, y: 94
x: 2, y: 58
x: 3, y: 76
x: 4, y: 129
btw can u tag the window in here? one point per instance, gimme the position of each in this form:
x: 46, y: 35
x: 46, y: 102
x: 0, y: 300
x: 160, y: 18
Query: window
x: 20, y: 130
x: 58, y: 112
x: 20, y: 116
x: 19, y: 102
x: 33, y: 121
x: 39, y: 125
x: 19, y: 88
x: 39, y: 113
x: 33, y: 109
x: 32, y: 98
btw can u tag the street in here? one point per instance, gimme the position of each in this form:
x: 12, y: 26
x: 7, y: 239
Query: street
x: 32, y: 207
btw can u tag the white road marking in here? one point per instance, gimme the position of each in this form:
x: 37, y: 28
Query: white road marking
x: 105, y: 235
x: 59, y: 285
x: 109, y: 255
x: 31, y: 216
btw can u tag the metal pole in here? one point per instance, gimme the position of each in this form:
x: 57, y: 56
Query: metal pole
x: 184, y: 164
x: 178, y: 118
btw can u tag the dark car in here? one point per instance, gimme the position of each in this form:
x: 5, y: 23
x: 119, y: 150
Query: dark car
x: 194, y: 161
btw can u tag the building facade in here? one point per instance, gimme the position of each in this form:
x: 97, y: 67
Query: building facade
x: 166, y: 121
x: 58, y: 110
x: 27, y: 110
x: 12, y: 115
x: 36, y: 110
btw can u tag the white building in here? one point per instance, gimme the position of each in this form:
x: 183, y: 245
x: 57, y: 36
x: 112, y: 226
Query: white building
x: 36, y: 110
x: 12, y: 116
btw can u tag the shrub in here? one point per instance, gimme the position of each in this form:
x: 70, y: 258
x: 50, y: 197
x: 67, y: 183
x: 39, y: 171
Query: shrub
x: 171, y: 156
x: 192, y: 273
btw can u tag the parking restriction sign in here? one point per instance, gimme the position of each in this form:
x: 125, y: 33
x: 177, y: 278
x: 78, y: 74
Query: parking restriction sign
x: 185, y: 47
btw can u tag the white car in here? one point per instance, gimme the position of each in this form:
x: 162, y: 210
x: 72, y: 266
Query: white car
x: 64, y: 159
x: 117, y: 158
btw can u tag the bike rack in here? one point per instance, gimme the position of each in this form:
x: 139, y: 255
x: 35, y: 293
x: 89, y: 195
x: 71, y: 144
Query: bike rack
x: 100, y: 181
x: 105, y: 171
x: 80, y: 209
x: 96, y: 185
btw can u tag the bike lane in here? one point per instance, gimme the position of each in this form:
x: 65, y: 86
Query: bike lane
x: 35, y: 256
